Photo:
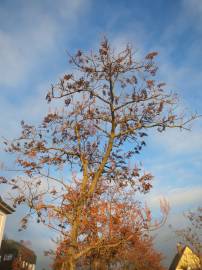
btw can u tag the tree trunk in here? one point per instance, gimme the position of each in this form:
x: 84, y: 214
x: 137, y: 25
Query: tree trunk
x: 72, y: 265
x: 98, y: 264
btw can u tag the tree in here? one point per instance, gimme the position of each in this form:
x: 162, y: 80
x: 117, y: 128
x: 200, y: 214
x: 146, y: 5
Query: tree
x: 191, y: 235
x: 116, y: 228
x: 106, y: 106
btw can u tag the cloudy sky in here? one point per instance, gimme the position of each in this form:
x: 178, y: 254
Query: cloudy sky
x: 34, y: 38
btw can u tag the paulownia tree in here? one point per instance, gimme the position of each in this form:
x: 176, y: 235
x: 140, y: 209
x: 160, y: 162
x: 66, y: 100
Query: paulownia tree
x: 105, y: 108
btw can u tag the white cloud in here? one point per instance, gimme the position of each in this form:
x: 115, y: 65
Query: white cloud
x: 175, y: 142
x: 180, y: 55
x: 31, y: 109
x: 182, y: 197
x: 23, y: 48
x: 20, y: 54
x: 193, y: 9
x: 70, y: 9
x: 13, y: 61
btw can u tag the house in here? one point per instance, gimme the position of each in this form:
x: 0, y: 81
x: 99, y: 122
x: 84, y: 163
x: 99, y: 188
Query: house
x: 185, y: 259
x: 16, y: 255
x: 5, y: 209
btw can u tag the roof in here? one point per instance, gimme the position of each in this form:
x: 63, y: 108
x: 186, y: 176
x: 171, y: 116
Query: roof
x: 13, y: 247
x: 176, y: 260
x: 181, y: 252
x: 5, y: 208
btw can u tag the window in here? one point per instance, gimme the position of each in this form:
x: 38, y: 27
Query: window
x: 8, y: 257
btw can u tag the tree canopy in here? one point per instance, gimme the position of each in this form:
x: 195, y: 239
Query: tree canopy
x: 88, y: 145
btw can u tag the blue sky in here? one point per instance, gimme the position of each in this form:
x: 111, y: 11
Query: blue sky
x: 34, y: 37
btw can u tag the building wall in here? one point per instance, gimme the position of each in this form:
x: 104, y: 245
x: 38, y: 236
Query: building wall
x: 2, y: 224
